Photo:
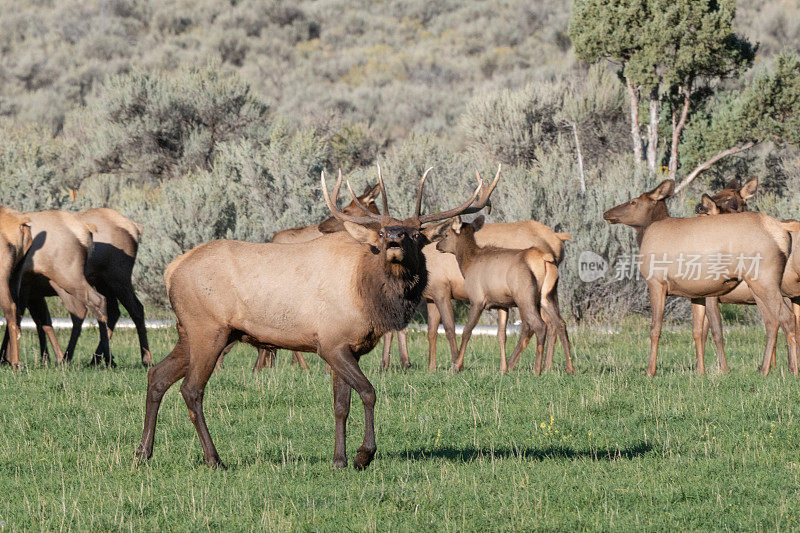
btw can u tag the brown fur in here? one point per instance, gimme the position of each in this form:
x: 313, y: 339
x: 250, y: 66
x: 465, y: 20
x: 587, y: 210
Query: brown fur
x: 55, y: 264
x: 15, y: 240
x: 500, y: 278
x: 748, y: 234
x: 706, y: 314
x: 309, y: 297
x: 447, y: 283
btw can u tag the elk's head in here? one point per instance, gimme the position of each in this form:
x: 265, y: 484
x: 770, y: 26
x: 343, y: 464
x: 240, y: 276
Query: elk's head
x: 367, y: 199
x: 731, y: 199
x: 400, y: 242
x: 459, y: 232
x: 643, y: 210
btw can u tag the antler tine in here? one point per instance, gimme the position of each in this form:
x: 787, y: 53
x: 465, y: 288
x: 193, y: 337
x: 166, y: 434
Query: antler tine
x: 433, y: 217
x: 486, y: 191
x: 383, y: 193
x: 418, y: 208
x: 361, y: 206
x: 332, y: 202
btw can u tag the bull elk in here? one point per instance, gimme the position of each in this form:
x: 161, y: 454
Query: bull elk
x: 15, y: 240
x: 336, y: 296
x: 502, y: 278
x: 664, y: 242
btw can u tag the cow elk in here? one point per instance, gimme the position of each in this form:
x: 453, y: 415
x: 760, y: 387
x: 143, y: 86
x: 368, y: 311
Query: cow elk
x: 732, y: 199
x: 501, y: 278
x: 336, y: 296
x: 665, y: 246
x: 15, y: 240
x: 55, y: 265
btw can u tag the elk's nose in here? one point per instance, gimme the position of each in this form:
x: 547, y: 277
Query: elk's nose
x: 395, y: 234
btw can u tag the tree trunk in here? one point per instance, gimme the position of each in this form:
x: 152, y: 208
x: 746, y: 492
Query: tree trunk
x: 652, y: 130
x: 677, y: 129
x: 709, y: 163
x: 636, y: 133
x: 581, y: 176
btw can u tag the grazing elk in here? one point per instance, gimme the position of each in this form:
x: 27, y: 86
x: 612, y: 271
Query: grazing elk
x: 665, y: 241
x: 502, y: 278
x: 336, y: 295
x: 55, y: 265
x: 15, y: 240
x: 732, y: 199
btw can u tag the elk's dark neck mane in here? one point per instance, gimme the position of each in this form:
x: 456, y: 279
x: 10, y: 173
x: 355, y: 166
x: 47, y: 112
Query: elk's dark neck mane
x: 390, y: 293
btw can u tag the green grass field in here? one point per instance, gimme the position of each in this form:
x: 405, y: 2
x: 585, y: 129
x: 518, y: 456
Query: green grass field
x: 605, y: 449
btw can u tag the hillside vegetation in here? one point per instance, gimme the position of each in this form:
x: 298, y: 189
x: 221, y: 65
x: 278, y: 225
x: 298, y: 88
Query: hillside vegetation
x: 214, y: 119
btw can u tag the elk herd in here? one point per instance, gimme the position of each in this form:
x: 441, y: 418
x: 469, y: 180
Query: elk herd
x: 336, y: 288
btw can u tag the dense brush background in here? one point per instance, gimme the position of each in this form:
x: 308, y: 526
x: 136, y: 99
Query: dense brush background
x: 211, y: 118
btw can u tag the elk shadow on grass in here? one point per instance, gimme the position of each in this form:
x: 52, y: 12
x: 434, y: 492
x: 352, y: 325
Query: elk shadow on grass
x: 469, y: 454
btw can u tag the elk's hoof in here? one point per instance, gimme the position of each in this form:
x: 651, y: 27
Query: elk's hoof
x: 340, y: 463
x: 16, y: 366
x: 141, y: 455
x: 362, y: 460
x: 147, y: 359
x: 570, y: 371
x: 216, y: 464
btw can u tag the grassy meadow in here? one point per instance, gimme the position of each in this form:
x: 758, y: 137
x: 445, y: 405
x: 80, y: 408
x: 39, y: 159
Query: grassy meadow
x: 605, y: 449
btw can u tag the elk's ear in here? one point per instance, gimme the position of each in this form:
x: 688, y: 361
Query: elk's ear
x: 709, y: 205
x: 436, y: 232
x: 456, y: 225
x: 370, y: 194
x: 749, y: 188
x: 362, y: 234
x: 477, y: 224
x: 664, y: 190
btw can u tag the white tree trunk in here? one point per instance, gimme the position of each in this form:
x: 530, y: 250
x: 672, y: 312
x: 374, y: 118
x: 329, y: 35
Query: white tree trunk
x: 581, y: 175
x: 635, y: 129
x: 652, y: 131
x: 709, y: 163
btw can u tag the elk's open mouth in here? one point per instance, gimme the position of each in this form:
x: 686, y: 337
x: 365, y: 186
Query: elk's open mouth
x: 611, y: 219
x: 394, y: 252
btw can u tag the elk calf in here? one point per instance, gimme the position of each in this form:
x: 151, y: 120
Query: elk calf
x: 500, y: 278
x: 666, y: 243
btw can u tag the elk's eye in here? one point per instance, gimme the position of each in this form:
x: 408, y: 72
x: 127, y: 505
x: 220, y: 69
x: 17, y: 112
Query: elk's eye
x: 633, y: 202
x: 380, y: 234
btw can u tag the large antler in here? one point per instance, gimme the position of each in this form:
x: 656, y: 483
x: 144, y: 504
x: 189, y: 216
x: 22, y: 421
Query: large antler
x: 434, y: 217
x: 383, y: 193
x: 335, y: 210
x: 419, y: 192
x: 360, y: 205
x: 486, y: 191
x: 481, y: 194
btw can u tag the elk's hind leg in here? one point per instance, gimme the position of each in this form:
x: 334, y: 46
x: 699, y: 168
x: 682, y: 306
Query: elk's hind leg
x: 160, y: 378
x: 555, y: 323
x: 205, y: 347
x: 698, y: 333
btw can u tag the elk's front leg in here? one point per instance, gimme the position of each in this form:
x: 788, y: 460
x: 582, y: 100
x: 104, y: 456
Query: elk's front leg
x: 341, y: 410
x: 345, y: 366
x: 658, y: 295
